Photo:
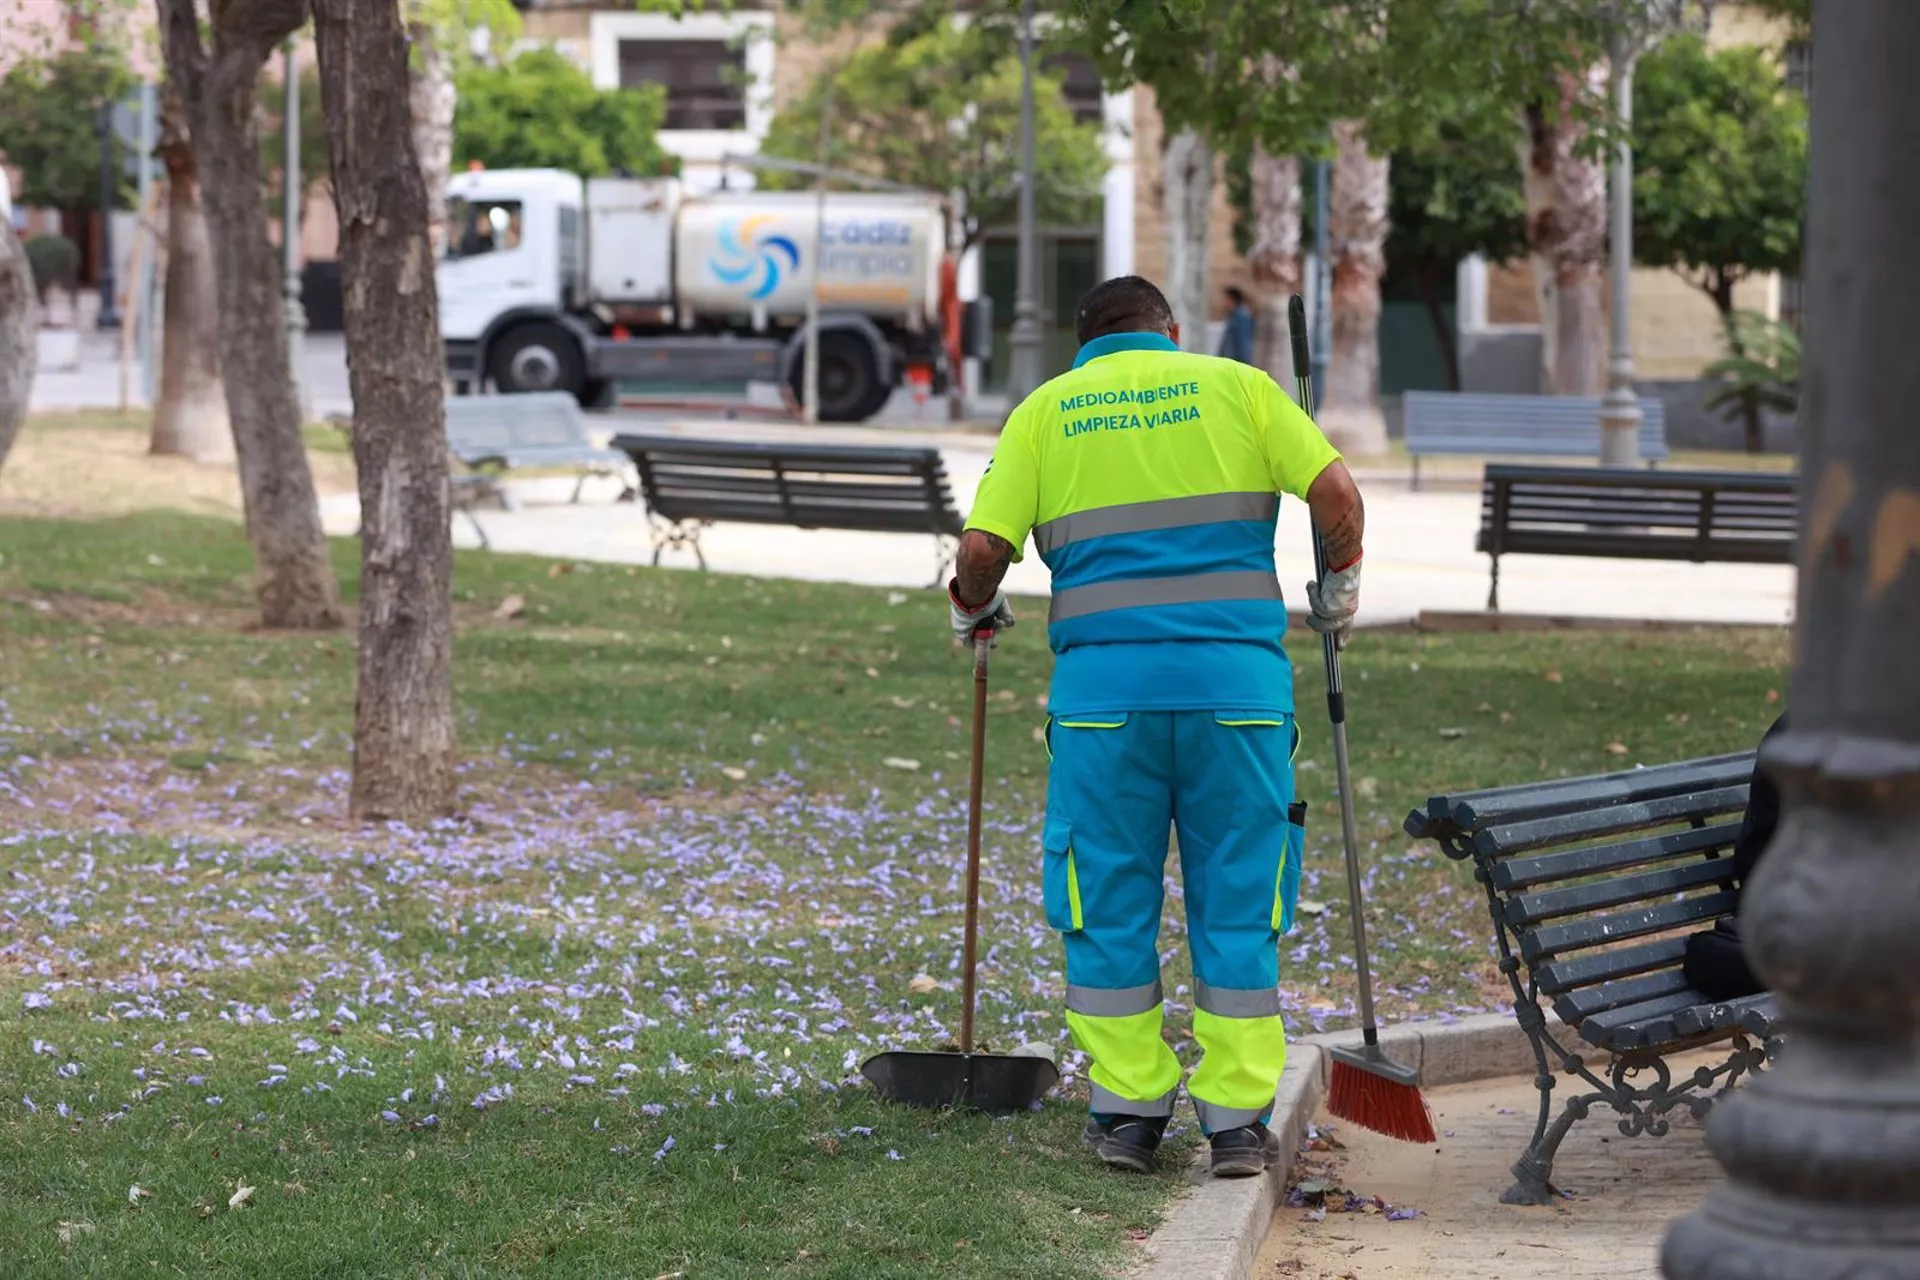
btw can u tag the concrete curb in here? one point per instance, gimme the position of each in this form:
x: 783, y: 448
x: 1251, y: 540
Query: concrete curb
x: 1215, y: 1229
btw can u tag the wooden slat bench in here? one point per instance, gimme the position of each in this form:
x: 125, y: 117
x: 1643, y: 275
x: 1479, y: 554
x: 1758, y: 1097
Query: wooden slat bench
x: 534, y: 429
x: 1594, y: 884
x: 1485, y: 425
x: 688, y: 484
x: 1699, y: 516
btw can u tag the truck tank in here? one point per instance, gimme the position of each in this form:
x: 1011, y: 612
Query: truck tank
x: 879, y: 255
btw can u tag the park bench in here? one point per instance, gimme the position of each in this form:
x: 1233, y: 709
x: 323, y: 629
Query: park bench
x: 1700, y: 516
x: 1593, y: 885
x: 1484, y: 425
x: 689, y: 484
x: 533, y: 429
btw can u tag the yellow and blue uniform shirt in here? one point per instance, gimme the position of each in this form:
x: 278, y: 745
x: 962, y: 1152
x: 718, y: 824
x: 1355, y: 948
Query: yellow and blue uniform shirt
x: 1149, y: 479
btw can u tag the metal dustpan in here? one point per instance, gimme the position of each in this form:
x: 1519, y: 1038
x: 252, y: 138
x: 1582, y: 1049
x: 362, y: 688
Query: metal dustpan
x: 994, y: 1082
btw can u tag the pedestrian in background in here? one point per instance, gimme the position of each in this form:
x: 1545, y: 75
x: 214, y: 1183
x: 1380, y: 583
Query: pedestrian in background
x: 1236, y: 340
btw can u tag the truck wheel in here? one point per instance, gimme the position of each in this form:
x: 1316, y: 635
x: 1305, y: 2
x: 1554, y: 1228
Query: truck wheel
x: 537, y: 357
x: 850, y: 389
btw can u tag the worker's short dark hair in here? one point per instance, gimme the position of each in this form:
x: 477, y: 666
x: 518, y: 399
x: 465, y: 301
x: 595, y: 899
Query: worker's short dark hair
x: 1237, y: 294
x: 1124, y: 304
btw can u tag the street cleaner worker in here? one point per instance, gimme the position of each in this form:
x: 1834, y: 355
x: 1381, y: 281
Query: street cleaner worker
x: 1150, y: 480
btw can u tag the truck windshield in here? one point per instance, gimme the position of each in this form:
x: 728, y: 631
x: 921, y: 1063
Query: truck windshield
x: 475, y: 227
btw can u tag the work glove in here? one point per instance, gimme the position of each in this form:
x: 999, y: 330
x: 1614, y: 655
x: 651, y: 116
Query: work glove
x: 969, y: 618
x: 1333, y: 601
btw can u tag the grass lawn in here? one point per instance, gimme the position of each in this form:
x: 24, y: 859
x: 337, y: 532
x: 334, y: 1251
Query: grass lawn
x: 605, y: 1023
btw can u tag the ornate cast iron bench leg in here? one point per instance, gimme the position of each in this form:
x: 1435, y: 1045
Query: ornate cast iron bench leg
x: 677, y: 535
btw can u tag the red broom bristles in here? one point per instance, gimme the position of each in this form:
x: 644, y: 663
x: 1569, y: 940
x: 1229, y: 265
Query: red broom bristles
x: 1384, y: 1106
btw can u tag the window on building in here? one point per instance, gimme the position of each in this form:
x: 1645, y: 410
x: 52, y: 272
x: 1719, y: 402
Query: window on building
x: 1080, y: 82
x: 1800, y: 67
x: 705, y: 80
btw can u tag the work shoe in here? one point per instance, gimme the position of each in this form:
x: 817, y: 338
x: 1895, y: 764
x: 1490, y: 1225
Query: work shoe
x: 1126, y: 1142
x: 1244, y: 1152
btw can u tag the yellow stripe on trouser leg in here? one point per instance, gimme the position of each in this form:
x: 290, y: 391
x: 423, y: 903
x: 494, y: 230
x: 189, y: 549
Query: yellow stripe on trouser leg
x: 1234, y: 1083
x: 1134, y: 1072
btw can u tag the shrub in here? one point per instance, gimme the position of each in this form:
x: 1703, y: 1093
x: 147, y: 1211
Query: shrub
x: 55, y: 260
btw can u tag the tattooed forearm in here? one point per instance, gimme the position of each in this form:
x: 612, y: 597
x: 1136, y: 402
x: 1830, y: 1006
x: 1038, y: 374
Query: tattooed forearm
x: 981, y: 564
x: 1338, y: 514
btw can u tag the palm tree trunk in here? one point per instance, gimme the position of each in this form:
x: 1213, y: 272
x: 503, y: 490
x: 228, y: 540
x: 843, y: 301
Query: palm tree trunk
x: 190, y: 416
x: 1186, y: 195
x: 1566, y: 212
x: 1274, y: 258
x: 431, y: 102
x: 1357, y: 243
x: 19, y: 329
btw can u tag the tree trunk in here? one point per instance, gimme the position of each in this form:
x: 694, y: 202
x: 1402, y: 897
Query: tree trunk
x: 19, y: 336
x: 403, y: 743
x: 1357, y: 247
x: 191, y: 416
x: 430, y: 93
x: 1186, y: 199
x: 1442, y: 331
x: 292, y: 574
x: 1274, y: 259
x: 1721, y: 291
x: 1566, y: 211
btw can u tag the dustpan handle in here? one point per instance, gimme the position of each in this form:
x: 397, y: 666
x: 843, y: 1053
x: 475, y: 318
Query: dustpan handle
x: 982, y: 645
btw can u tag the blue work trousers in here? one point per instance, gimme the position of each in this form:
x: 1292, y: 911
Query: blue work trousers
x: 1223, y: 781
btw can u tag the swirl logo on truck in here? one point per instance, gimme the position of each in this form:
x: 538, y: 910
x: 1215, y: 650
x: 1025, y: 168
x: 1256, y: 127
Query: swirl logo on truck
x: 745, y: 252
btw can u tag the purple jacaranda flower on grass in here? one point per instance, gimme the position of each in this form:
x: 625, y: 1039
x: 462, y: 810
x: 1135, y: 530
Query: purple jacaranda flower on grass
x: 665, y: 1147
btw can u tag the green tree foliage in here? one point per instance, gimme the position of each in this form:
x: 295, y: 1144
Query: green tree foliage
x: 1454, y: 194
x: 938, y: 106
x: 1719, y: 188
x: 542, y: 111
x: 1720, y: 159
x: 50, y: 123
x: 1280, y: 72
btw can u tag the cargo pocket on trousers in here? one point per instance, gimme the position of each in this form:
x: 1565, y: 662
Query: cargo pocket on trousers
x: 1286, y: 890
x: 1060, y: 881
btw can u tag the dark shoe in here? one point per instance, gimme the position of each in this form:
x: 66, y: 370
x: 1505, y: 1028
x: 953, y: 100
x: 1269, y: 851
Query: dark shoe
x: 1244, y: 1152
x: 1126, y: 1142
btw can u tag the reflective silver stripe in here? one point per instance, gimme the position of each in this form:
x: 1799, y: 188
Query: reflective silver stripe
x: 1186, y: 588
x: 1161, y: 513
x: 1235, y: 1002
x: 1114, y: 1002
x: 1215, y: 1118
x: 1110, y: 1103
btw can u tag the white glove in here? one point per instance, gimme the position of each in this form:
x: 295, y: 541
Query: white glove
x: 1334, y: 600
x: 967, y: 619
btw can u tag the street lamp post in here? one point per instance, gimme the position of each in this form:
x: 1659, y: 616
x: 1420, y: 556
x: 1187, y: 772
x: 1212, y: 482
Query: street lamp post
x: 291, y: 181
x: 1620, y: 409
x: 1023, y: 374
x: 1322, y: 280
x: 109, y: 303
x: 1822, y: 1152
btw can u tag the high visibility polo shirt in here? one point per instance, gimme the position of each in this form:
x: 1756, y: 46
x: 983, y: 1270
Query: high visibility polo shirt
x: 1149, y: 479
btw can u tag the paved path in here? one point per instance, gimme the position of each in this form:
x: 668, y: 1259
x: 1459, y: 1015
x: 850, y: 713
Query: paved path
x: 1420, y: 553
x: 1626, y: 1191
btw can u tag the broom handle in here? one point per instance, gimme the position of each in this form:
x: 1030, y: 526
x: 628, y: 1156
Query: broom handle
x: 1336, y: 708
x: 982, y: 643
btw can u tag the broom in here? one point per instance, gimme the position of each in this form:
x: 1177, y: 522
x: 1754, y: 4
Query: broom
x: 1368, y: 1089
